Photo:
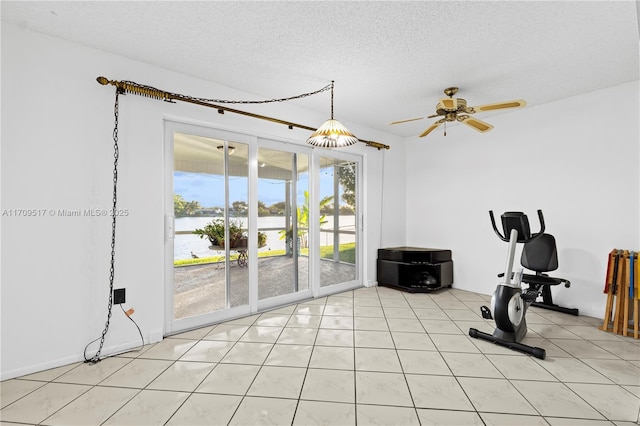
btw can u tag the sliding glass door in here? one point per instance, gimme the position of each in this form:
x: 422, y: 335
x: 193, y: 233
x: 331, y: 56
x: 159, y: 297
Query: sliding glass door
x: 209, y: 278
x: 252, y: 224
x: 283, y: 212
x: 339, y: 220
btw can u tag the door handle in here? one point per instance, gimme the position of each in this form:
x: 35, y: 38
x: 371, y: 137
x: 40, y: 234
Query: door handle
x: 169, y: 227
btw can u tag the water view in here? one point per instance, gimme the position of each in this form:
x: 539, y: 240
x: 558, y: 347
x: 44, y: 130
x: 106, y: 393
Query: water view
x: 184, y: 245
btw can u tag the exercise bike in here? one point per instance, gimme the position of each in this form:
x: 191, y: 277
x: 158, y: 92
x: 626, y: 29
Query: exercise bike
x: 510, y: 301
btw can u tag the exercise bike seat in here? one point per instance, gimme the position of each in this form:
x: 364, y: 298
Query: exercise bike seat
x: 541, y: 280
x: 541, y: 255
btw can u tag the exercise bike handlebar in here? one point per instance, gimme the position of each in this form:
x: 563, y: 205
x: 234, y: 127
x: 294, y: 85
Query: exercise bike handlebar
x: 506, y: 238
x: 495, y: 228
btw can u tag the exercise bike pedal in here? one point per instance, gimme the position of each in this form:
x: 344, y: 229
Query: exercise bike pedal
x: 529, y: 295
x: 486, y: 313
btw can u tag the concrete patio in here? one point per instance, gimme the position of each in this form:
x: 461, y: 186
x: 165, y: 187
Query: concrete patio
x: 200, y: 288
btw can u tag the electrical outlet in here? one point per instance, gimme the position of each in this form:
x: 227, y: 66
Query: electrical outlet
x: 119, y: 296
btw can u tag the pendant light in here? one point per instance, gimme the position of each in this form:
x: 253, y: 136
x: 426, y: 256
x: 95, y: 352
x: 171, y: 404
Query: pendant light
x: 332, y: 134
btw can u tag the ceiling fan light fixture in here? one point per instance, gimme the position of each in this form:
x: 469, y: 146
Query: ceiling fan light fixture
x: 231, y: 149
x: 332, y: 134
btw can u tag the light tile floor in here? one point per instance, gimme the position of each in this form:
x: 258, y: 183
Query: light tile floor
x: 369, y: 356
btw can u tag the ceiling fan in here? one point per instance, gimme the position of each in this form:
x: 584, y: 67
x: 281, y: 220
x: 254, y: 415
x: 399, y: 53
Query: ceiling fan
x: 456, y: 109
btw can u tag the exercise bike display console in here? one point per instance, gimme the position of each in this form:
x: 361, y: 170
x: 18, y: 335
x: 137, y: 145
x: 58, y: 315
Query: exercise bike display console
x: 509, y: 302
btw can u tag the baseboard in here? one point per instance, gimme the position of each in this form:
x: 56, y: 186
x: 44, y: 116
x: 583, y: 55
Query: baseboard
x: 107, y: 351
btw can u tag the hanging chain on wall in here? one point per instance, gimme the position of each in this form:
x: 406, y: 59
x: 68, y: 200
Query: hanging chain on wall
x: 116, y: 155
x: 154, y: 93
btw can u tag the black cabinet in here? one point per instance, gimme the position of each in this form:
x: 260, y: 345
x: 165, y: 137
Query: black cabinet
x: 415, y: 269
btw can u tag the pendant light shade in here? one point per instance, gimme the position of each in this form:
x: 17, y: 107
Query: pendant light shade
x: 332, y: 134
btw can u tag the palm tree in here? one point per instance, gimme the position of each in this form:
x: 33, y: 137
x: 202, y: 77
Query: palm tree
x: 302, y: 212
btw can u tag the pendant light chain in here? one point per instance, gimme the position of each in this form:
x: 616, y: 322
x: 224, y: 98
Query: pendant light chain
x: 116, y: 155
x: 150, y: 89
x: 151, y: 92
x: 332, y: 99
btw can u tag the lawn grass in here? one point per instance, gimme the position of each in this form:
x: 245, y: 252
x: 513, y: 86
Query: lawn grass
x: 220, y: 258
x: 347, y: 252
x: 347, y: 255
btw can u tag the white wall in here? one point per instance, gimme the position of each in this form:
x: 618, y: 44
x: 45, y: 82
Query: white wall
x: 576, y: 159
x: 392, y: 193
x: 57, y: 153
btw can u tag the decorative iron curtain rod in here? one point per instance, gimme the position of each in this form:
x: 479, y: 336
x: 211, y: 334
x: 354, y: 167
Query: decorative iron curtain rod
x: 150, y: 92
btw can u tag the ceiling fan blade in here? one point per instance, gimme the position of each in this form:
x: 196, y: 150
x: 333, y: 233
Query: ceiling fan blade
x: 476, y: 124
x: 518, y: 103
x: 431, y: 128
x: 434, y: 115
x: 406, y: 121
x: 449, y: 104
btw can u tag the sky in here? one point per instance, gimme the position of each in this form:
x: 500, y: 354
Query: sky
x: 208, y: 189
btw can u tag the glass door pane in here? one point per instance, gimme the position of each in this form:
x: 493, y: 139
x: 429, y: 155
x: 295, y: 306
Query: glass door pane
x: 238, y: 219
x: 302, y: 214
x: 210, y: 185
x: 283, y: 181
x: 338, y: 221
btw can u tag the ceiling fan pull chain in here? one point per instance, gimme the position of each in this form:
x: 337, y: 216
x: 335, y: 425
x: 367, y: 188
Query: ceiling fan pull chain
x: 445, y: 128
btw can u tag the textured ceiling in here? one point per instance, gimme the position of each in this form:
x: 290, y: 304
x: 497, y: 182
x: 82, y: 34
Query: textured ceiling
x: 390, y: 60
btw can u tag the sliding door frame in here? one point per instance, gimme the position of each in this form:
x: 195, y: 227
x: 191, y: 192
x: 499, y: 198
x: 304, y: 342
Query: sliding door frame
x: 320, y: 291
x: 173, y: 325
x: 296, y: 149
